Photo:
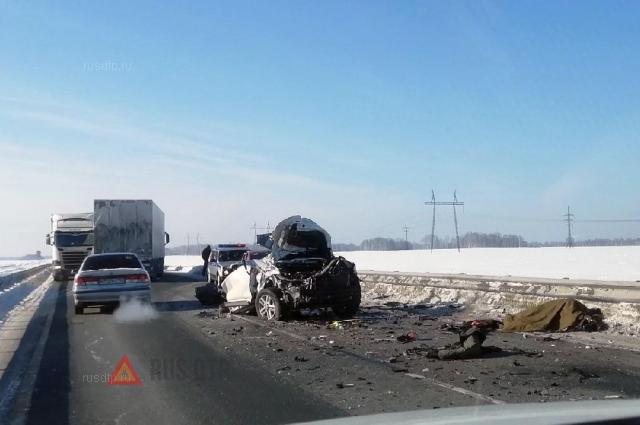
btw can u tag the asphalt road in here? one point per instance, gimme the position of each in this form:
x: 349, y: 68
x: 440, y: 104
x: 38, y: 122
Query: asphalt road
x: 197, y: 366
x: 185, y: 377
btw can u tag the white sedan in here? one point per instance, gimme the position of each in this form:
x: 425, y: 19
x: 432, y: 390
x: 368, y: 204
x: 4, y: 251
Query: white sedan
x: 108, y: 278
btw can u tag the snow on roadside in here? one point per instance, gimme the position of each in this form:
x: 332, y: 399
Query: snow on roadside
x: 32, y: 298
x: 13, y: 266
x: 190, y: 264
x: 613, y: 263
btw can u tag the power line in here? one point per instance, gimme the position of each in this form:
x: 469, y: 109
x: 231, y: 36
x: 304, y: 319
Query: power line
x: 504, y: 218
x: 455, y: 216
x: 256, y: 228
x: 612, y: 220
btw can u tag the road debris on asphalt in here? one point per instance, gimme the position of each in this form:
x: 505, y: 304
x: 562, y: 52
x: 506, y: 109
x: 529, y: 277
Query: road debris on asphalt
x: 408, y: 337
x: 335, y: 325
x: 499, y: 365
x: 415, y: 376
x: 343, y: 385
x: 208, y: 314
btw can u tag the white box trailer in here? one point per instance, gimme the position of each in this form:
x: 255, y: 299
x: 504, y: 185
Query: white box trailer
x: 126, y: 225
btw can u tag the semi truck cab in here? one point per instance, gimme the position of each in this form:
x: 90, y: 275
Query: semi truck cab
x: 71, y: 240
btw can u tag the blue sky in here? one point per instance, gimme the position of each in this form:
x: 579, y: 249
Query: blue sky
x: 349, y: 112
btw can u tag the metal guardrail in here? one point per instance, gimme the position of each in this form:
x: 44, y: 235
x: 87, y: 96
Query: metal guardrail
x: 608, y: 292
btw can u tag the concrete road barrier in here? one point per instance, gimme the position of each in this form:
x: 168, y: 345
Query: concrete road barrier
x: 499, y: 295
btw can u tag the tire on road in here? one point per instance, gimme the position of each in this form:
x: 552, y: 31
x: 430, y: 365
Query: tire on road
x: 350, y: 308
x: 79, y: 309
x: 208, y: 294
x: 268, y: 305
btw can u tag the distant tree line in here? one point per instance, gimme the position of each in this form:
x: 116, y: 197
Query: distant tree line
x: 472, y: 240
x: 468, y: 240
x: 591, y: 242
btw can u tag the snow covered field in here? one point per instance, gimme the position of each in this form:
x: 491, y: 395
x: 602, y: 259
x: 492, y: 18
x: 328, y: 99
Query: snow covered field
x: 183, y: 263
x: 12, y: 266
x: 598, y: 263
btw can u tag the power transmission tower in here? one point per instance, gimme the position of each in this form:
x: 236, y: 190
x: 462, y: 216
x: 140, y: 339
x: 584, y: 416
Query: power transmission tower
x: 406, y: 236
x: 569, y: 218
x: 256, y: 228
x: 188, y: 243
x: 455, y: 216
x: 433, y: 222
x: 455, y: 219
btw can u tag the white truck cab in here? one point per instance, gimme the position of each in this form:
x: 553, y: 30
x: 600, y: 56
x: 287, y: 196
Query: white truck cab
x: 71, y: 240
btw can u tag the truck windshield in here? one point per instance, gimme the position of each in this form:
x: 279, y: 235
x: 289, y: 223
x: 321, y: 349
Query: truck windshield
x: 235, y: 255
x: 73, y: 239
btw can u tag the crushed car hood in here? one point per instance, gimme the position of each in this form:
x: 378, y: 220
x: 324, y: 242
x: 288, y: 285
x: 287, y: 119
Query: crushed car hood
x: 297, y: 237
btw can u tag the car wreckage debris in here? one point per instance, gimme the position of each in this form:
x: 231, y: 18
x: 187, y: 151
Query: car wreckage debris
x: 408, y: 337
x: 375, y: 338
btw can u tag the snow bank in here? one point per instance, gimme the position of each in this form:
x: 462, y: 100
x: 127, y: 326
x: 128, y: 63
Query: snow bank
x: 13, y: 266
x: 590, y: 263
x: 190, y: 264
x: 483, y: 297
x: 182, y: 260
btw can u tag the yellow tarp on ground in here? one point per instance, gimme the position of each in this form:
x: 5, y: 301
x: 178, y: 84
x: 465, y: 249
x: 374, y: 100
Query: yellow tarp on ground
x: 551, y: 316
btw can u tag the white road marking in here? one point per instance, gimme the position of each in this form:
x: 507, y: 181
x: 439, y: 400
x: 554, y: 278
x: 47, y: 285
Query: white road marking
x: 432, y: 381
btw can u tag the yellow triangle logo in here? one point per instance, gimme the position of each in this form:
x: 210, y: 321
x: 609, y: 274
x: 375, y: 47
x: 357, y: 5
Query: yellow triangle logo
x: 124, y: 374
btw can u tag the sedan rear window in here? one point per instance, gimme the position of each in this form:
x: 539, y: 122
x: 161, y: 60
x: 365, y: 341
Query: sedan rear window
x: 116, y: 261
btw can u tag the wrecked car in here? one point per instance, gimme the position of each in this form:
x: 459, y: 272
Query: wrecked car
x: 300, y: 272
